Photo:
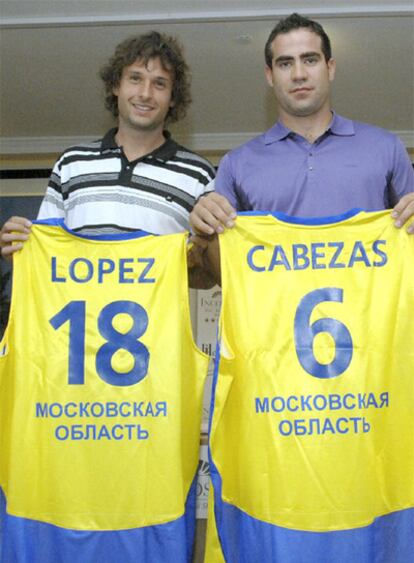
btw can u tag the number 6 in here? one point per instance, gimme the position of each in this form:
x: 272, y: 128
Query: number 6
x: 306, y: 333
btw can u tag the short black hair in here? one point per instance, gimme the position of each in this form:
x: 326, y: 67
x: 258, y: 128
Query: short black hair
x: 296, y: 21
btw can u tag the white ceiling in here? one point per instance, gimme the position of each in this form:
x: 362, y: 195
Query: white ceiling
x: 51, y: 52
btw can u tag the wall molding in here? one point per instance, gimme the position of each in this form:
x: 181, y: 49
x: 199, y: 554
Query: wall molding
x: 211, y: 142
x: 205, y: 16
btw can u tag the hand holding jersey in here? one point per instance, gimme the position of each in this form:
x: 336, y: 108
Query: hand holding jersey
x: 13, y: 234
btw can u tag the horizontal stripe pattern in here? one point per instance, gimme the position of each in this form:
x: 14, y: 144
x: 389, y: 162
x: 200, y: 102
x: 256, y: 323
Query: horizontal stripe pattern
x: 95, y: 185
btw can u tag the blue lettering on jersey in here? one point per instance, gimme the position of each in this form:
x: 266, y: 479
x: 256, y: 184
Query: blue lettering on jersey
x: 317, y: 256
x: 83, y: 270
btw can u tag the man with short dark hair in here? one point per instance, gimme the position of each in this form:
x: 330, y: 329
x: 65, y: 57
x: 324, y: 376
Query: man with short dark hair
x: 312, y: 162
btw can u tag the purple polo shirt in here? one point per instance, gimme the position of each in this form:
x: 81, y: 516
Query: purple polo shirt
x: 351, y: 165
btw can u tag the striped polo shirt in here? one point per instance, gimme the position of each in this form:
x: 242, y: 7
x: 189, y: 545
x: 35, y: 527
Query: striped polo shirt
x: 96, y: 189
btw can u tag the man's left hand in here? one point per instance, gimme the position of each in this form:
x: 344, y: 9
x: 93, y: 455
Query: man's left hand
x: 403, y: 212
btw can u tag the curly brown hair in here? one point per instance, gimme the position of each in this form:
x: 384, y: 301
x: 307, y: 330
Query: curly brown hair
x: 145, y: 47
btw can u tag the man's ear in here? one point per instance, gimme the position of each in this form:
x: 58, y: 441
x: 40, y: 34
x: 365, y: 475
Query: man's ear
x: 269, y: 75
x: 331, y: 69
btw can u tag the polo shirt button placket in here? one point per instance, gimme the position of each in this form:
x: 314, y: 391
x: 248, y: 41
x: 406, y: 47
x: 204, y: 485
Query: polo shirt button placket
x: 126, y: 173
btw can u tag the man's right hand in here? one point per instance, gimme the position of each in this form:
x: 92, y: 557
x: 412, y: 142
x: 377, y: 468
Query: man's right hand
x: 212, y: 214
x: 13, y: 235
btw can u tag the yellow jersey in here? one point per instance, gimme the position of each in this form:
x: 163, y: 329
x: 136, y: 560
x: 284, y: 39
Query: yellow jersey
x: 100, y: 398
x: 311, y: 434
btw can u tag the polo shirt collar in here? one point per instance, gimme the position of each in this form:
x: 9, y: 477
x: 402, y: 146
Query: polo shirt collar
x: 339, y: 126
x: 276, y: 133
x: 108, y: 142
x: 164, y: 152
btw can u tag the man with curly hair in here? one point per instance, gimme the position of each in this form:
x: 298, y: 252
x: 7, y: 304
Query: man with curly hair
x: 136, y: 176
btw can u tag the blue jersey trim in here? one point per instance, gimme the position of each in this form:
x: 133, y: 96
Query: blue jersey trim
x: 245, y: 539
x: 306, y: 220
x: 389, y: 539
x: 213, y: 389
x: 58, y: 222
x: 29, y: 541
